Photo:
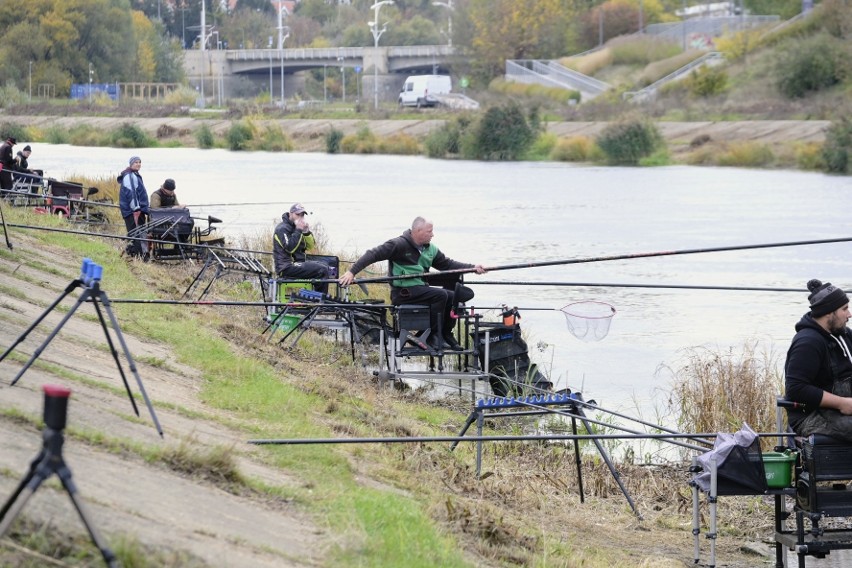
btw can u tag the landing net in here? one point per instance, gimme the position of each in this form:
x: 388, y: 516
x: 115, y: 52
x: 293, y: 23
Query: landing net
x: 588, y: 320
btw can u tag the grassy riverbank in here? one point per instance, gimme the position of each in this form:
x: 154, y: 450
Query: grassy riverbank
x: 204, y: 497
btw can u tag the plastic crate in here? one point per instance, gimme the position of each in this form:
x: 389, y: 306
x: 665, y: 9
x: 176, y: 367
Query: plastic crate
x: 778, y: 467
x: 286, y: 322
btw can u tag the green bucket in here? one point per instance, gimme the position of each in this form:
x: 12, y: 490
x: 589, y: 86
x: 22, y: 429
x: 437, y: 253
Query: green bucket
x: 779, y: 468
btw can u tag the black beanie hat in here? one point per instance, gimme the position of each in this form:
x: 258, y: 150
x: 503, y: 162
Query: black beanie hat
x: 825, y: 298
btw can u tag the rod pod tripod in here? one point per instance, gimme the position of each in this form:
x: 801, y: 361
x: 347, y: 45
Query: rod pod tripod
x: 89, y: 280
x: 49, y: 461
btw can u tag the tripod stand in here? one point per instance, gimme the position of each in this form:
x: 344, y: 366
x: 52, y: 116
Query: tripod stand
x: 49, y: 461
x: 89, y: 280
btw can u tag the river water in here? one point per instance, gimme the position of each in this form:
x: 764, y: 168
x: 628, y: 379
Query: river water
x: 501, y: 214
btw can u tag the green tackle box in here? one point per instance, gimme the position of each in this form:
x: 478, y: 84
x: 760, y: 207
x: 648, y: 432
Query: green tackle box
x: 779, y: 468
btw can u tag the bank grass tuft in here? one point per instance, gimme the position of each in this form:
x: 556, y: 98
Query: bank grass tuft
x: 718, y: 391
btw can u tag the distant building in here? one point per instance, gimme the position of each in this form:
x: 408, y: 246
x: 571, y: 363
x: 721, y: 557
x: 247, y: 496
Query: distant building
x: 710, y: 10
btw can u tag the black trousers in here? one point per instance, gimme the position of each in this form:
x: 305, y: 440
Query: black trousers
x: 439, y: 300
x: 135, y: 247
x: 308, y: 270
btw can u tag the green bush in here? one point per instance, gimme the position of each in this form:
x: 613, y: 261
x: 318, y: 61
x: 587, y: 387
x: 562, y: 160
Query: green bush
x: 15, y: 130
x: 575, y: 149
x: 542, y: 146
x: 273, y: 139
x: 837, y: 146
x: 239, y: 136
x: 87, y: 135
x: 332, y: 141
x: 627, y: 142
x: 811, y: 64
x: 130, y: 136
x: 448, y: 138
x: 362, y: 142
x: 401, y: 143
x: 204, y: 137
x: 746, y: 155
x: 56, y: 135
x: 503, y: 133
x: 707, y: 81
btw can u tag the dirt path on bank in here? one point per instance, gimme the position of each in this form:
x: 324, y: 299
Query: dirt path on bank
x: 202, y: 524
x: 308, y: 134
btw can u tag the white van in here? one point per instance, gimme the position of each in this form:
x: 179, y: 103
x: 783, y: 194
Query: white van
x: 419, y: 90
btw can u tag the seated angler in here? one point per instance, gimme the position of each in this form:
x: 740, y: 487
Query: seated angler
x: 818, y: 369
x: 413, y: 253
x: 165, y: 196
x: 290, y: 243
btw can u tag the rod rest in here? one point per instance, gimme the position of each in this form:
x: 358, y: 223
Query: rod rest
x: 535, y: 399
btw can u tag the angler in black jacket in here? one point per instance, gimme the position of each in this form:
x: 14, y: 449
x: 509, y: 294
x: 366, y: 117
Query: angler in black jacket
x: 413, y: 253
x: 290, y: 243
x: 818, y: 369
x: 7, y: 161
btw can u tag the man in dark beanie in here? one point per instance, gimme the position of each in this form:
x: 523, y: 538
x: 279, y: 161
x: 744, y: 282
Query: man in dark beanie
x: 818, y: 370
x: 7, y: 162
x: 165, y: 196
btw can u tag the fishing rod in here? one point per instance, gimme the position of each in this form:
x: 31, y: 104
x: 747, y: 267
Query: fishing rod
x: 238, y: 204
x: 354, y: 306
x: 144, y: 239
x: 64, y: 198
x: 526, y: 403
x: 604, y: 259
x: 658, y: 286
x: 493, y: 438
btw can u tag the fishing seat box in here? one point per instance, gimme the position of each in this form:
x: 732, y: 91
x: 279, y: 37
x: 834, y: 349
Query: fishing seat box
x: 179, y: 224
x: 826, y: 462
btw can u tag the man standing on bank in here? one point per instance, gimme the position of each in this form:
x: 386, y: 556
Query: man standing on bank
x: 818, y: 370
x: 133, y: 204
x: 292, y: 240
x: 413, y: 253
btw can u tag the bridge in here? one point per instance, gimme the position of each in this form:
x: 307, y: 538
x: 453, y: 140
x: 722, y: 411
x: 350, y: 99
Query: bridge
x: 219, y: 73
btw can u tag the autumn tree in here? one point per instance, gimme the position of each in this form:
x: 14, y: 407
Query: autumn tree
x: 498, y: 30
x: 62, y: 38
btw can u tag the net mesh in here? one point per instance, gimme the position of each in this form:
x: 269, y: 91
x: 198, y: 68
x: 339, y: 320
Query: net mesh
x: 588, y: 320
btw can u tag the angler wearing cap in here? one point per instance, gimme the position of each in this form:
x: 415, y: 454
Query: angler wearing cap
x: 165, y: 196
x: 292, y: 239
x: 7, y: 161
x: 818, y: 370
x: 133, y: 203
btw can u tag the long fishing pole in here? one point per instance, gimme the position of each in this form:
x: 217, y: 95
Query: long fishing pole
x: 533, y: 405
x: 605, y: 258
x: 492, y: 438
x: 144, y: 239
x: 657, y: 286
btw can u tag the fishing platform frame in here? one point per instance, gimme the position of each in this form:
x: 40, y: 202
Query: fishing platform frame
x: 819, y: 486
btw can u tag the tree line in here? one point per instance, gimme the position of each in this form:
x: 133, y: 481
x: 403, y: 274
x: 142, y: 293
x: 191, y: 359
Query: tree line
x: 60, y: 42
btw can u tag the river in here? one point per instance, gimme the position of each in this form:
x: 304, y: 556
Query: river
x: 502, y: 214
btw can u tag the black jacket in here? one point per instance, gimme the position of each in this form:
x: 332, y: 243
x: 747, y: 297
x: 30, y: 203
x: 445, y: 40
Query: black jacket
x: 7, y: 158
x: 405, y: 254
x: 289, y: 244
x: 815, y: 360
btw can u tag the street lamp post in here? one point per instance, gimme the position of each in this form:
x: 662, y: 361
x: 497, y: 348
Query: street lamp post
x: 342, y: 77
x: 377, y: 33
x: 449, y: 6
x: 31, y: 80
x: 324, y: 88
x: 91, y: 73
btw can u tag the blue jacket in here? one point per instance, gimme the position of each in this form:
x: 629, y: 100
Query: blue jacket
x: 132, y: 196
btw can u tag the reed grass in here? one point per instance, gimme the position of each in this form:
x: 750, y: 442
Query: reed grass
x: 715, y: 391
x: 746, y: 155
